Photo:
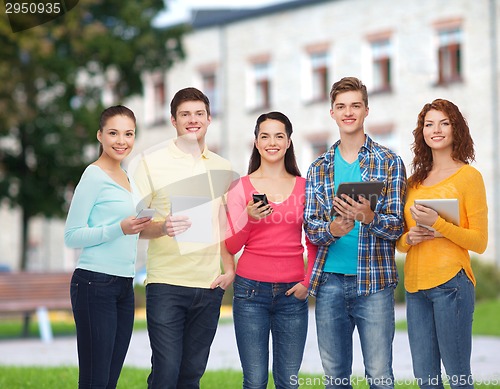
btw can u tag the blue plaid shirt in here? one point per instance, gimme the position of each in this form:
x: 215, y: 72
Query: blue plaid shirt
x: 376, y: 245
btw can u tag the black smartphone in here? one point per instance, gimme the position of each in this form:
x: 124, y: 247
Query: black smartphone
x: 260, y: 197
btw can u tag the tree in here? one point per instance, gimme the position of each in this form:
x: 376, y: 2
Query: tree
x: 52, y: 78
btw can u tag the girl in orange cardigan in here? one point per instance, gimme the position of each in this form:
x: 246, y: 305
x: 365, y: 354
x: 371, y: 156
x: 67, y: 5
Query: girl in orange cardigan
x: 439, y: 281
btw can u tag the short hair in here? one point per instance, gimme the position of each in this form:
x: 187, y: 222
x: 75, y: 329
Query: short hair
x: 348, y: 84
x: 462, y: 146
x: 188, y: 94
x: 290, y: 160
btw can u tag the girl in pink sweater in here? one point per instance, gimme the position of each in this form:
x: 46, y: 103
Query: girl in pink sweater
x: 271, y: 284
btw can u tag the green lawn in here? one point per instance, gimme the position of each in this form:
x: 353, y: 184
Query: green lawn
x: 486, y: 322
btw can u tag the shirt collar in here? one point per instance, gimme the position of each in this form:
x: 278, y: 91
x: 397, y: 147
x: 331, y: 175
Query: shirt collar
x: 330, y: 154
x: 178, y: 153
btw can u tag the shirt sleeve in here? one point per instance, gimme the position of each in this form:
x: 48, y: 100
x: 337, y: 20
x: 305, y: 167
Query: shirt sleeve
x: 388, y: 223
x: 316, y: 216
x: 77, y: 232
x: 238, y: 224
x: 475, y: 236
x: 312, y: 250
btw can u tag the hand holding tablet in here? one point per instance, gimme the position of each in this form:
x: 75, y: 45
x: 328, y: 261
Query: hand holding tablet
x: 370, y: 190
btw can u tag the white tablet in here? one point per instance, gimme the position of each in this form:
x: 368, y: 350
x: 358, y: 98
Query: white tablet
x: 446, y: 208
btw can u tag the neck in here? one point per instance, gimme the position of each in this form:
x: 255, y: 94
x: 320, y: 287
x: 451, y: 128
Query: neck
x: 273, y: 170
x: 190, y: 147
x: 443, y: 160
x: 350, y: 144
x: 107, y: 163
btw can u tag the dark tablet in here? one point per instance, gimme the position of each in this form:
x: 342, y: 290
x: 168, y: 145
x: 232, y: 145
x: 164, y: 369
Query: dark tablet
x: 368, y: 189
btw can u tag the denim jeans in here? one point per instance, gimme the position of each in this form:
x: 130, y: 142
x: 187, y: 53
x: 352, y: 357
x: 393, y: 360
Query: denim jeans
x: 261, y: 308
x: 182, y: 322
x: 440, y: 329
x: 103, y: 308
x: 338, y: 310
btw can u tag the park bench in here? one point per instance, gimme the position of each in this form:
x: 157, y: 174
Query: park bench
x: 27, y: 293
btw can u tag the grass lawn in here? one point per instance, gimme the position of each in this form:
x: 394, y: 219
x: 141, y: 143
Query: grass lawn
x: 486, y: 322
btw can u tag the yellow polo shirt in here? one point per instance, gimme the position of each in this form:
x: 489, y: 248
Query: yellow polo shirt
x: 165, y: 174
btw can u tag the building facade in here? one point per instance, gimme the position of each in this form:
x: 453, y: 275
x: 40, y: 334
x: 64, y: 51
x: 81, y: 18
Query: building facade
x: 285, y: 57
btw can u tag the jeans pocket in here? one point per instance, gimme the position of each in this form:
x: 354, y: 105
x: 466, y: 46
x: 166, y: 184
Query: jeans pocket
x: 243, y: 292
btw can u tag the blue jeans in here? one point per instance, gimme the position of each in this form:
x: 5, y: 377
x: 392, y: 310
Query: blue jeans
x: 261, y: 308
x: 182, y: 322
x: 338, y: 310
x: 440, y: 329
x: 103, y: 308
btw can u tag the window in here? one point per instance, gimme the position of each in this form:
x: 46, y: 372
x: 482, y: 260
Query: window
x: 159, y: 100
x: 381, y: 57
x: 449, y: 56
x: 209, y: 85
x: 319, y: 73
x: 261, y: 74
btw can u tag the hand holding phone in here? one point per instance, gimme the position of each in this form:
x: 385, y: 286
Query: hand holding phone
x: 260, y: 197
x: 146, y: 212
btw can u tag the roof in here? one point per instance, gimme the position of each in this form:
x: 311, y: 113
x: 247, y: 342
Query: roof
x: 204, y: 18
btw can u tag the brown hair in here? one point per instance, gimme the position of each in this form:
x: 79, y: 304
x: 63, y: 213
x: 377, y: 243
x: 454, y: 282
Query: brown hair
x: 188, y: 94
x: 113, y: 111
x: 290, y: 161
x: 462, y: 146
x: 348, y: 84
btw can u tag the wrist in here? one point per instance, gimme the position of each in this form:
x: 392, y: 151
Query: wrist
x: 408, y: 240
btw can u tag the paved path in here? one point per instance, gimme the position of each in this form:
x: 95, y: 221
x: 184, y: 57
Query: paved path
x: 224, y: 355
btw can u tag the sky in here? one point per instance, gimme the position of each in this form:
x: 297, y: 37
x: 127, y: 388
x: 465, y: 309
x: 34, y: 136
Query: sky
x: 178, y: 10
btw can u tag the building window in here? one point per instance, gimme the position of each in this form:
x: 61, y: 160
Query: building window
x: 319, y: 76
x: 381, y: 57
x: 209, y: 85
x: 262, y: 85
x: 385, y: 134
x: 449, y: 56
x: 159, y: 101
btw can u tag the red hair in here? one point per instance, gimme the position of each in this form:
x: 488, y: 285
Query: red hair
x: 462, y: 146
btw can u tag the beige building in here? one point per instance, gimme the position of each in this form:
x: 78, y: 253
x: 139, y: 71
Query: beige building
x: 285, y: 57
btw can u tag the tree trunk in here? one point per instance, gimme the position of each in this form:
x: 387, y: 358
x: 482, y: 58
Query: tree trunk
x: 24, y: 240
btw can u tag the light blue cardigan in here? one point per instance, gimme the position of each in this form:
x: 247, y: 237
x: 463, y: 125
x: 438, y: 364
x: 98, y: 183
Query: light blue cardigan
x: 99, y: 205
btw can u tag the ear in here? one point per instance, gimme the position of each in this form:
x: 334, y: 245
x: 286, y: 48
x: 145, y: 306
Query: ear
x: 173, y: 121
x: 289, y: 143
x: 99, y: 136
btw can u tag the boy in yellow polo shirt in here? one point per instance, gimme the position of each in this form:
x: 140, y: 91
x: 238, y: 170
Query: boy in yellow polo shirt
x: 186, y: 184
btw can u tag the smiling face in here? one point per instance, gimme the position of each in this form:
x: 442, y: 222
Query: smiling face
x: 272, y: 140
x: 117, y: 137
x: 438, y: 131
x: 191, y: 121
x: 349, y: 112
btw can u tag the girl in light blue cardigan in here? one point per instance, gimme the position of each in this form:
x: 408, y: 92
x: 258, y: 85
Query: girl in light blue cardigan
x: 101, y: 222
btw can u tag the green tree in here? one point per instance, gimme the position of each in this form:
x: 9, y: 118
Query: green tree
x: 52, y: 78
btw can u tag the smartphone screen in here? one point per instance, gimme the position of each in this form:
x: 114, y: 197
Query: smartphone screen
x: 260, y: 197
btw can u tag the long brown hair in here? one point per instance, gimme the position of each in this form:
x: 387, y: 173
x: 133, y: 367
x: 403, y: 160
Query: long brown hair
x: 462, y: 146
x: 290, y: 161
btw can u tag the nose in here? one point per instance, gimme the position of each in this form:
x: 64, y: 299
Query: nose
x: 120, y: 139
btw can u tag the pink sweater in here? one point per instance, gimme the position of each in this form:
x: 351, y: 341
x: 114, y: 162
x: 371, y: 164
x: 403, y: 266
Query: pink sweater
x: 273, y: 250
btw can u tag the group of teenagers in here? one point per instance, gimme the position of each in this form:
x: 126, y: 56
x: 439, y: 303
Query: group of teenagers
x: 350, y: 249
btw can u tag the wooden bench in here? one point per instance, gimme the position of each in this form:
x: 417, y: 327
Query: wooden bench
x: 27, y: 293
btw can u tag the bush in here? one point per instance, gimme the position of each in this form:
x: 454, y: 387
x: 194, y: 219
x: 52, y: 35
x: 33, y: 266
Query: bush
x: 487, y: 279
